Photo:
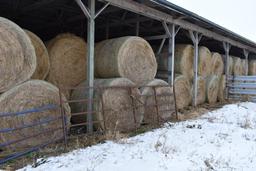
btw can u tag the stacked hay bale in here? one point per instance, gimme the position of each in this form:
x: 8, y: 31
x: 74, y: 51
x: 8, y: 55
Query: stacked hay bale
x: 23, y: 56
x: 42, y: 57
x: 252, y: 67
x: 125, y: 64
x: 129, y: 57
x: 183, y: 91
x: 212, y: 89
x: 116, y: 111
x: 67, y: 54
x: 183, y: 68
x: 217, y: 64
x: 201, y: 89
x: 32, y: 94
x: 183, y: 60
x: 204, y: 62
x: 237, y: 66
x: 164, y: 100
x: 17, y: 55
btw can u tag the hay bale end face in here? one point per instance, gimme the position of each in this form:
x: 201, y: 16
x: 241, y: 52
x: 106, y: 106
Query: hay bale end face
x: 212, y: 89
x: 183, y: 92
x: 31, y: 95
x: 164, y: 100
x: 217, y: 65
x: 118, y: 108
x: 17, y: 55
x: 204, y: 61
x: 184, y: 56
x: 252, y: 67
x: 201, y: 88
x: 222, y: 87
x: 67, y: 54
x: 237, y: 66
x: 129, y: 57
x: 43, y: 63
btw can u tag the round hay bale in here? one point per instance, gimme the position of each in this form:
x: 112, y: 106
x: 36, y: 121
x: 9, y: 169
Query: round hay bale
x: 231, y: 66
x: 117, y: 102
x: 204, y: 61
x: 183, y: 92
x: 222, y: 86
x: 217, y: 65
x: 30, y: 95
x: 184, y: 56
x: 67, y: 54
x: 212, y: 89
x: 252, y: 67
x: 17, y: 55
x: 129, y: 57
x: 244, y: 66
x: 164, y: 100
x: 201, y: 88
x: 43, y: 63
x: 237, y: 66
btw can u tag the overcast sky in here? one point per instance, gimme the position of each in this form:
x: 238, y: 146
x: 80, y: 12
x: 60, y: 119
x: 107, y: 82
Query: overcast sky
x: 238, y: 16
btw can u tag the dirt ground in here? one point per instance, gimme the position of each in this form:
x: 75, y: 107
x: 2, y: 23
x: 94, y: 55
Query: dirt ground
x: 85, y: 140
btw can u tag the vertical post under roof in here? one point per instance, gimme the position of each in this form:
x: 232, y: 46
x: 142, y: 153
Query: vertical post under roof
x: 227, y: 48
x: 195, y: 37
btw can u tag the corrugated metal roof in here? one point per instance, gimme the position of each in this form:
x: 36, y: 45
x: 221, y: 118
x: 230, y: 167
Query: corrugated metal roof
x: 203, y: 21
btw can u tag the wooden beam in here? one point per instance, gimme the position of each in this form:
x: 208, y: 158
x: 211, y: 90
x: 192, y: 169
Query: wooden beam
x: 144, y: 10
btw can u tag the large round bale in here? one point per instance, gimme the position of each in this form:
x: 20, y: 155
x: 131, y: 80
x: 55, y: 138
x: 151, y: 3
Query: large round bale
x: 184, y: 55
x: 43, y: 63
x: 67, y: 54
x: 17, y: 55
x: 201, y: 88
x: 164, y: 101
x: 212, y: 89
x: 32, y: 96
x: 120, y: 101
x: 244, y: 66
x: 237, y: 66
x: 183, y: 91
x: 222, y: 87
x: 217, y: 65
x: 204, y: 61
x: 252, y: 67
x: 129, y: 57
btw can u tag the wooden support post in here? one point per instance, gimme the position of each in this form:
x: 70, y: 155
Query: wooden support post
x: 171, y: 33
x: 246, y: 55
x: 195, y: 37
x: 227, y: 48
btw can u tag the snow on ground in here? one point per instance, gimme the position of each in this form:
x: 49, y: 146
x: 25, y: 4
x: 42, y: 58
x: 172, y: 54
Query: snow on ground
x: 224, y: 139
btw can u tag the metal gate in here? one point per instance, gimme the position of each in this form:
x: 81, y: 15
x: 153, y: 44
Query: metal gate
x: 242, y: 88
